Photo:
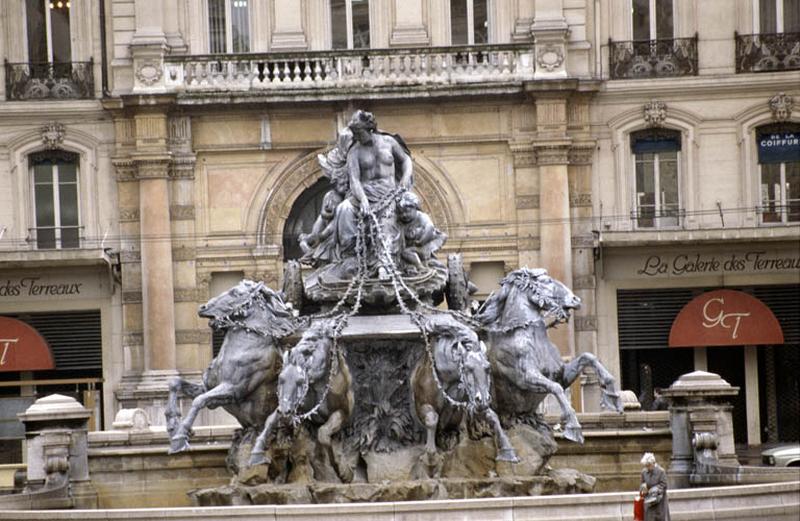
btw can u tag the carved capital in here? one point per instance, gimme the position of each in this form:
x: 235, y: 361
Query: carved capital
x: 53, y: 135
x: 552, y: 155
x: 130, y: 256
x: 781, y: 106
x: 182, y: 167
x: 655, y: 113
x: 580, y: 200
x: 522, y: 154
x: 125, y: 169
x: 128, y: 214
x: 181, y: 212
x: 185, y: 295
x: 528, y: 202
x: 583, y: 241
x: 585, y: 282
x: 132, y: 297
x: 152, y: 169
x: 192, y: 336
x: 586, y: 323
x: 581, y: 155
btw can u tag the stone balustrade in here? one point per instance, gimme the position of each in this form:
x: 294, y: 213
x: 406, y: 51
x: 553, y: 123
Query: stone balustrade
x: 331, y: 70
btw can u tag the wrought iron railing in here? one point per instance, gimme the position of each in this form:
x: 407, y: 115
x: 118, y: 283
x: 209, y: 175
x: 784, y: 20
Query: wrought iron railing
x: 653, y: 58
x: 646, y: 216
x: 31, y: 81
x: 350, y: 68
x: 767, y: 52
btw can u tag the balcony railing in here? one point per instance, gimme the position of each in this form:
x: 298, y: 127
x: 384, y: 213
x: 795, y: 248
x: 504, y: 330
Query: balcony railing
x: 653, y: 58
x: 32, y: 81
x: 647, y: 216
x: 373, y: 68
x: 767, y: 52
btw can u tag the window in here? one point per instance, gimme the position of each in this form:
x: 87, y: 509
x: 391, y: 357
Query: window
x: 55, y: 195
x: 778, y: 16
x: 652, y: 19
x: 469, y: 23
x: 228, y: 26
x: 48, y: 31
x: 656, y: 164
x: 350, y: 24
x: 779, y: 166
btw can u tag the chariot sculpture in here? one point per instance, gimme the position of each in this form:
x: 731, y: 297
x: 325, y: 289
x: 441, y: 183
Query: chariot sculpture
x: 393, y: 404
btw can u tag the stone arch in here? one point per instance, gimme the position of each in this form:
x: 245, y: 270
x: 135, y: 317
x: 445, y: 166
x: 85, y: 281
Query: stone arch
x: 437, y: 193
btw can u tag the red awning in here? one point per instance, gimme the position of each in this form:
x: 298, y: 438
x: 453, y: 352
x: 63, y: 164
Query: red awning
x: 725, y: 317
x: 22, y: 348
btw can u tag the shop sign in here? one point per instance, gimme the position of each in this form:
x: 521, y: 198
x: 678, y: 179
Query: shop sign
x: 725, y: 318
x: 51, y: 284
x: 22, y: 348
x: 687, y: 264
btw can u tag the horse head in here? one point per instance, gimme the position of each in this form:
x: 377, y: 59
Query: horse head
x: 461, y: 358
x: 249, y: 304
x: 304, y: 365
x: 527, y: 296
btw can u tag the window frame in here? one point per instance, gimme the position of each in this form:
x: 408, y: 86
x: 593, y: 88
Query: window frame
x: 658, y: 216
x: 348, y: 9
x: 653, y: 21
x: 56, y: 203
x: 470, y: 22
x: 779, y: 22
x: 229, y: 28
x: 782, y: 202
x: 48, y: 30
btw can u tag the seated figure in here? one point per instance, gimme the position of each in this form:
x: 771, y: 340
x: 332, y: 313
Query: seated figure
x: 421, y: 238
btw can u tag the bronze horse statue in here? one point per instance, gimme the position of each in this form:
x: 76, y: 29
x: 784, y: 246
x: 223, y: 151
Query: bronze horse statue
x: 241, y: 378
x: 526, y: 365
x: 315, y: 383
x: 463, y: 373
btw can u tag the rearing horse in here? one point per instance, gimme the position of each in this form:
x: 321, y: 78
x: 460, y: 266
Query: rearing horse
x: 526, y: 365
x: 241, y: 378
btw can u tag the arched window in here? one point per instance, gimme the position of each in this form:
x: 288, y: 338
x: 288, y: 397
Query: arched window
x: 779, y: 172
x: 656, y: 156
x: 54, y: 177
x: 302, y: 216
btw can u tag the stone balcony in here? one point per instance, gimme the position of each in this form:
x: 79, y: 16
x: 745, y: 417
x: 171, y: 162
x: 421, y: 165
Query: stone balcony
x: 376, y: 73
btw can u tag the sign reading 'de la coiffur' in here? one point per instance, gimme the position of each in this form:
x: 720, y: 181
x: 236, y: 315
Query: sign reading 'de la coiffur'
x: 22, y: 348
x: 725, y: 317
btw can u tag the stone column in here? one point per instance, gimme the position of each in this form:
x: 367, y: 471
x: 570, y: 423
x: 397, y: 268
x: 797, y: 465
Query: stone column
x: 409, y: 24
x: 287, y: 30
x: 751, y: 396
x: 148, y: 46
x: 699, y: 407
x: 153, y: 162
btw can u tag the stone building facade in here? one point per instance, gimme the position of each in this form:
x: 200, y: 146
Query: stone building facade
x: 201, y: 133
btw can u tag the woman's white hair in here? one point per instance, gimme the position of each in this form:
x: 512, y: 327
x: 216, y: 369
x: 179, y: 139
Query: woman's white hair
x: 648, y: 458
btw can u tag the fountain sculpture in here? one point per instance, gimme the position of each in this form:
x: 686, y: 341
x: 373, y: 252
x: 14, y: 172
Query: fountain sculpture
x: 354, y: 384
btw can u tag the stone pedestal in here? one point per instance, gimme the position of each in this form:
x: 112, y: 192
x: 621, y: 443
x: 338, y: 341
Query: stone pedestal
x: 56, y: 435
x: 700, y: 409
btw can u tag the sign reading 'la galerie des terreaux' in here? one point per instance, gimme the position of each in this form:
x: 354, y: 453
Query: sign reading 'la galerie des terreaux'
x: 687, y: 264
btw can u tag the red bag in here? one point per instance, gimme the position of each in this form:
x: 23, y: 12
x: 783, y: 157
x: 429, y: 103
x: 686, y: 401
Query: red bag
x: 638, y: 508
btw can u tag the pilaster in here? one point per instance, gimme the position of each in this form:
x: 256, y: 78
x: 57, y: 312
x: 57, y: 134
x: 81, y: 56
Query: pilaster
x: 287, y: 30
x: 550, y: 32
x: 409, y: 24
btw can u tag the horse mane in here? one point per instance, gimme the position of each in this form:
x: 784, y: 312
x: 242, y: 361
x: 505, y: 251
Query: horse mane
x: 281, y: 321
x: 529, y: 282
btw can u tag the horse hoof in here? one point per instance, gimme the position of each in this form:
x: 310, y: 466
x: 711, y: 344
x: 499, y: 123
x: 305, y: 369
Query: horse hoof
x: 574, y: 434
x: 507, y: 455
x: 258, y: 458
x: 178, y: 444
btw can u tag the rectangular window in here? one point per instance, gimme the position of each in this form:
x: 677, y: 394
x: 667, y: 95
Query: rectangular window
x: 778, y: 16
x: 48, y: 31
x: 779, y: 163
x: 228, y: 26
x: 55, y: 192
x: 350, y: 24
x: 652, y: 19
x: 657, y: 173
x: 469, y: 22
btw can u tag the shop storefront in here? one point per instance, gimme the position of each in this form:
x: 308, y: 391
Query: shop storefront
x: 733, y: 311
x: 55, y: 337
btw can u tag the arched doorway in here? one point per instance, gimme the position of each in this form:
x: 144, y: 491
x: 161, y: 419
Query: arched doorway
x: 301, y: 219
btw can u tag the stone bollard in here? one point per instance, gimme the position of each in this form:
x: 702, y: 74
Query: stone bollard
x: 56, y: 435
x: 701, y: 422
